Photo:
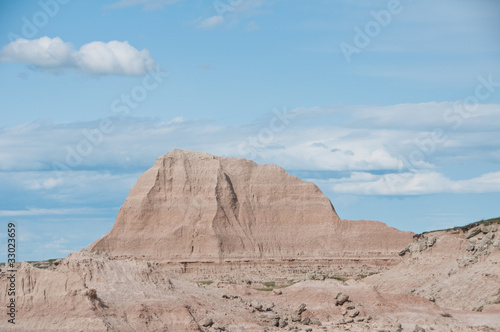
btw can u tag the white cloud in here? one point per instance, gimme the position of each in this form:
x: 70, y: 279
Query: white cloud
x: 232, y: 12
x: 423, y: 183
x: 317, y: 139
x: 114, y: 57
x: 52, y: 212
x: 45, y: 184
x: 44, y: 52
x: 94, y: 58
x: 211, y: 22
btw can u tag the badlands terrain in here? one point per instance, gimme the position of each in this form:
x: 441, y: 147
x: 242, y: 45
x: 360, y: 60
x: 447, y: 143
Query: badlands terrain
x: 206, y: 243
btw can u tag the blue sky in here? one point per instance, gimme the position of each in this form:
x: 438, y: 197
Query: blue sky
x: 391, y: 107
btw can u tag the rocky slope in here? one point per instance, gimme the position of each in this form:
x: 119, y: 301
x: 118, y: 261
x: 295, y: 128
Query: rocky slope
x: 91, y: 292
x: 457, y: 268
x: 193, y: 206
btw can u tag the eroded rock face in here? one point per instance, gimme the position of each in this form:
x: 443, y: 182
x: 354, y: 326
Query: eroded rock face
x: 456, y: 268
x: 91, y: 292
x: 196, y: 206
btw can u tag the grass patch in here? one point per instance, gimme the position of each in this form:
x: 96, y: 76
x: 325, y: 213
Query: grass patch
x: 469, y: 226
x: 264, y: 289
x: 340, y: 279
x: 362, y: 276
x: 269, y: 284
x: 205, y: 282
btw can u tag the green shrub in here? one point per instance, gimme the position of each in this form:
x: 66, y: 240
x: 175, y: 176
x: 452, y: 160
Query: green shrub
x: 340, y: 279
x: 205, y: 282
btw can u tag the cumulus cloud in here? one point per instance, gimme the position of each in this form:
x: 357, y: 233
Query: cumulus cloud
x: 44, y: 52
x: 94, y: 58
x: 316, y: 139
x: 211, y: 22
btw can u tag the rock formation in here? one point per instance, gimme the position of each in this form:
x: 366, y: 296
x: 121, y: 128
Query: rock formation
x: 196, y: 206
x: 289, y: 263
x: 457, y: 268
x: 91, y: 292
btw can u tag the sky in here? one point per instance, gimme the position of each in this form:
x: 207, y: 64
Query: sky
x: 391, y: 107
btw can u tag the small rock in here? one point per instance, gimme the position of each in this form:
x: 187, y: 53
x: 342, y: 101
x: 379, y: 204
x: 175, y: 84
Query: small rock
x: 206, y: 322
x: 418, y: 329
x: 229, y: 297
x: 272, y: 319
x: 313, y: 275
x: 306, y: 321
x: 300, y: 309
x: 277, y: 291
x: 473, y: 232
x: 256, y: 305
x: 404, y: 251
x: 218, y: 327
x: 309, y: 329
x: 342, y: 299
x: 267, y: 306
x: 283, y: 323
x: 295, y: 318
x: 353, y: 313
x: 316, y: 321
